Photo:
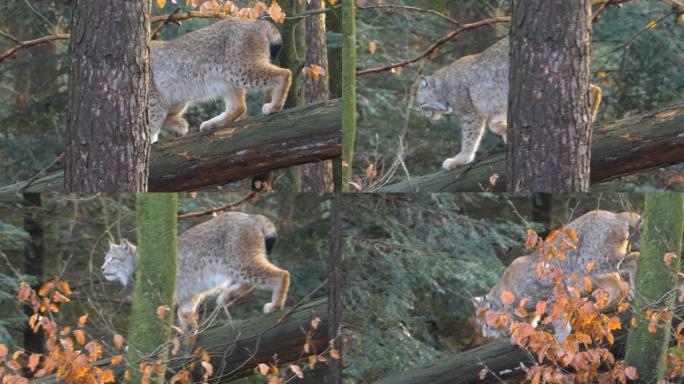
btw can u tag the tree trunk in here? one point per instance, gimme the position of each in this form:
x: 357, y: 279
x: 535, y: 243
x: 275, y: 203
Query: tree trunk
x: 316, y: 177
x: 243, y: 149
x: 348, y: 90
x: 289, y: 58
x: 155, y: 277
x: 34, y: 262
x: 334, y: 375
x: 549, y: 129
x: 108, y: 137
x: 662, y: 233
x: 620, y: 148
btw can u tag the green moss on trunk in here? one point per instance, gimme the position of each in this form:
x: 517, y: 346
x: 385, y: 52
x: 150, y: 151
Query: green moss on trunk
x: 348, y: 90
x: 662, y: 233
x: 155, y: 276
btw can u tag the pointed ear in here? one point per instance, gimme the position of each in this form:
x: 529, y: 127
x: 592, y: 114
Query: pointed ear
x: 477, y: 301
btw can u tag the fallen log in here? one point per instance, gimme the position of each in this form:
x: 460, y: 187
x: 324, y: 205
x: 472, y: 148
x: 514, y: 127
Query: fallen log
x: 237, y: 348
x: 620, y: 148
x: 249, y: 147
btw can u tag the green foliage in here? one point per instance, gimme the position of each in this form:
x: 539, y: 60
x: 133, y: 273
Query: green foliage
x: 410, y: 263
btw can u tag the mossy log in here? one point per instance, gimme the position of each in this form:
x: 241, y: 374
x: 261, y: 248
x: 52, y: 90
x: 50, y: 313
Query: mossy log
x: 237, y: 347
x: 619, y: 148
x: 250, y: 147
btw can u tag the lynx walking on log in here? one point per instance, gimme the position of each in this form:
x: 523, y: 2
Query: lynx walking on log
x: 604, y: 240
x: 221, y: 60
x: 475, y: 89
x: 224, y: 256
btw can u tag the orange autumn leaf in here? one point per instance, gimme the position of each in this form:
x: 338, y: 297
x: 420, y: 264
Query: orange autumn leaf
x: 276, y: 12
x: 161, y: 311
x: 572, y: 235
x: 33, y: 361
x: 668, y: 258
x: 24, y: 291
x: 80, y: 336
x: 532, y: 239
x: 46, y: 288
x: 82, y: 320
x: 116, y: 359
x: 631, y: 373
x: 590, y: 266
x: 335, y: 354
x: 507, y: 297
x: 372, y: 47
x: 3, y: 351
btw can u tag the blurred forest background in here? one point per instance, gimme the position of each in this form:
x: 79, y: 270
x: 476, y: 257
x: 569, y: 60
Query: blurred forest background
x: 413, y: 262
x: 67, y: 236
x: 33, y: 87
x: 638, y: 65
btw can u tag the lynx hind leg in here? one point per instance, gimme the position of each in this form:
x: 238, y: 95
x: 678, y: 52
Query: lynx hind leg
x: 157, y: 114
x: 278, y: 80
x: 235, y: 108
x: 499, y: 125
x: 175, y: 121
x: 278, y: 281
x: 472, y: 130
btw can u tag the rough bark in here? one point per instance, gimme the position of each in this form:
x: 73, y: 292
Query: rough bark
x: 348, y: 90
x: 290, y: 58
x: 108, y: 137
x: 316, y: 177
x: 34, y: 262
x: 620, y: 148
x: 155, y: 277
x: 249, y: 147
x: 334, y: 375
x: 662, y: 233
x: 549, y: 130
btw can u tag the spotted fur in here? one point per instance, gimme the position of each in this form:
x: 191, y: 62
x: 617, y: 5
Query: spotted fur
x: 603, y: 239
x: 475, y: 89
x: 223, y: 257
x: 222, y: 60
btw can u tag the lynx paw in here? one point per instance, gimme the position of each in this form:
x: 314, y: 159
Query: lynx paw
x: 459, y: 159
x: 206, y: 126
x: 269, y: 307
x: 269, y: 108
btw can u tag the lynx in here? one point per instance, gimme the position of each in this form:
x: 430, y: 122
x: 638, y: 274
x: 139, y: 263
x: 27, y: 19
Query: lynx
x: 604, y: 239
x: 224, y: 256
x: 221, y: 60
x: 475, y: 89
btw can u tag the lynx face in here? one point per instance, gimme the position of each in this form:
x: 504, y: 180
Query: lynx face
x: 480, y: 303
x: 119, y: 262
x: 429, y: 101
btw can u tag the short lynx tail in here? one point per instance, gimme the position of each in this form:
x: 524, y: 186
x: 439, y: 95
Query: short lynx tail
x: 595, y: 100
x: 269, y: 231
x: 274, y: 39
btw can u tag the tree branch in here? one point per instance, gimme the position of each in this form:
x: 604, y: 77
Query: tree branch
x: 620, y: 148
x: 434, y: 46
x: 30, y: 43
x: 250, y: 147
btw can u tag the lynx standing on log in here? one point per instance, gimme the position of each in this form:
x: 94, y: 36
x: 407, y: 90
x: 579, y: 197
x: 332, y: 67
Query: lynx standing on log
x: 475, y: 89
x: 604, y: 239
x: 221, y: 60
x: 224, y: 256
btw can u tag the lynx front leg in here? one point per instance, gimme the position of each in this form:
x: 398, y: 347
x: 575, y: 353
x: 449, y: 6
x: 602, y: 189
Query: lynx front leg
x: 233, y: 292
x: 236, y: 107
x: 175, y: 121
x: 279, y: 282
x: 472, y: 129
x: 279, y: 80
x: 499, y: 125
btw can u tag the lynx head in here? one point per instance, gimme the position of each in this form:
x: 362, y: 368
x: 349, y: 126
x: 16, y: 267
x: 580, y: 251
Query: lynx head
x: 119, y: 262
x: 482, y: 303
x: 431, y: 103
